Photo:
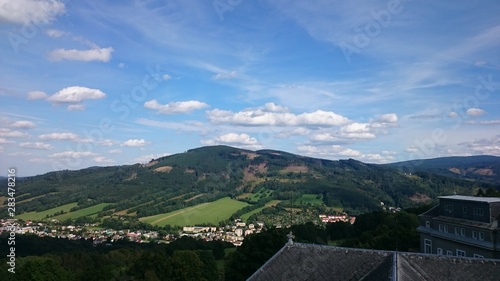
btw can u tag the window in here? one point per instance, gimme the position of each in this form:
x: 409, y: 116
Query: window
x: 457, y: 231
x: 478, y: 211
x: 427, y: 224
x: 460, y: 253
x: 474, y: 234
x: 440, y: 251
x: 464, y: 209
x: 446, y: 229
x: 440, y: 227
x: 448, y: 208
x: 478, y: 256
x: 449, y: 253
x: 427, y: 246
x: 462, y: 232
x: 481, y: 236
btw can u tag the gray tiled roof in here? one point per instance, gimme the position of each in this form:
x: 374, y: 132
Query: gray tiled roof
x: 313, y: 262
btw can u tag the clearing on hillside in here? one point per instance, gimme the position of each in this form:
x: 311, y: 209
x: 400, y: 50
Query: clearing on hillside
x: 82, y: 212
x: 41, y: 215
x: 208, y: 213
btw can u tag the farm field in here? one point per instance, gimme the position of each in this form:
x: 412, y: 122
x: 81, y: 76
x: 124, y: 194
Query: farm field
x: 49, y: 212
x: 209, y: 213
x: 245, y: 216
x: 82, y: 212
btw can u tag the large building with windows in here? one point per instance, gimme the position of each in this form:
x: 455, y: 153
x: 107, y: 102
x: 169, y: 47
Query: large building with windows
x: 463, y: 226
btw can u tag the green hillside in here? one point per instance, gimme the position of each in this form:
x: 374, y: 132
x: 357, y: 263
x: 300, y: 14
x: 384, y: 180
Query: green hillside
x: 253, y: 178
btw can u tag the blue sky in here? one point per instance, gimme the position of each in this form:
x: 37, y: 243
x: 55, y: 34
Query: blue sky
x: 99, y: 83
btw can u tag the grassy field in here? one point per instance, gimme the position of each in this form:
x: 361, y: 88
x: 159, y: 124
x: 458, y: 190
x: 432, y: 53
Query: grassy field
x: 245, y: 216
x: 210, y: 213
x: 42, y: 215
x: 309, y: 199
x: 82, y: 212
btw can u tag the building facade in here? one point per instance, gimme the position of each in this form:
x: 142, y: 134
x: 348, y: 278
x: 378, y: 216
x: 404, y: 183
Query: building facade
x: 462, y: 226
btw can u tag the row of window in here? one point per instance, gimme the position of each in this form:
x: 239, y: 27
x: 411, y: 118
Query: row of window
x: 476, y: 211
x: 460, y: 253
x: 458, y: 231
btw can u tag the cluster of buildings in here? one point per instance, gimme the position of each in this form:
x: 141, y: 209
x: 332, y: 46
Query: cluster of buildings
x: 337, y: 218
x: 71, y: 232
x: 234, y: 233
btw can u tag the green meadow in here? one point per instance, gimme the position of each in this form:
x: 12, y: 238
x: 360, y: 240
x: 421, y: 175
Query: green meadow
x: 208, y: 213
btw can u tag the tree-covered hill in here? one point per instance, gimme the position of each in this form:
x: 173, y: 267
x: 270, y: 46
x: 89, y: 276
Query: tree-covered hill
x: 206, y: 174
x: 482, y: 167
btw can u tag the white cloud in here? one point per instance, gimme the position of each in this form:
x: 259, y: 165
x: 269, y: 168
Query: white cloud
x: 340, y: 152
x: 263, y: 117
x: 241, y: 140
x: 37, y: 95
x: 115, y: 151
x: 147, y: 158
x: 30, y: 11
x: 166, y: 77
x: 134, y: 143
x: 76, y: 94
x: 103, y: 160
x: 388, y: 118
x: 175, y: 107
x: 483, y: 122
x: 475, y: 112
x: 225, y: 75
x: 73, y: 107
x: 411, y: 149
x: 94, y: 54
x: 36, y: 145
x: 107, y: 142
x: 452, y: 114
x: 56, y: 33
x: 64, y: 137
x: 5, y: 141
x: 73, y: 154
x: 23, y: 125
x: 7, y: 133
x: 357, y: 131
x: 485, y: 146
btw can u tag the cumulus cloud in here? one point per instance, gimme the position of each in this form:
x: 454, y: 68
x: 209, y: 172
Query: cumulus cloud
x: 94, y: 54
x: 37, y: 95
x: 63, y: 137
x: 475, y: 112
x: 452, y: 114
x: 388, y: 118
x: 30, y: 11
x: 225, y: 75
x: 241, y: 140
x: 134, y: 143
x: 266, y: 117
x: 7, y: 133
x: 485, y: 146
x: 115, y: 151
x: 76, y: 94
x: 166, y: 77
x: 411, y: 149
x: 103, y: 160
x: 36, y: 145
x: 175, y: 107
x: 340, y: 152
x: 23, y: 125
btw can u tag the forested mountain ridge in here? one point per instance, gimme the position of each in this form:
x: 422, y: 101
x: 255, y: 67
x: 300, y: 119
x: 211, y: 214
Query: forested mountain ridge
x: 481, y: 167
x: 209, y: 173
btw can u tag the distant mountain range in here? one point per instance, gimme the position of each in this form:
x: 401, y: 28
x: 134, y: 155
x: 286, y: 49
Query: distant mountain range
x: 483, y: 168
x: 209, y: 173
